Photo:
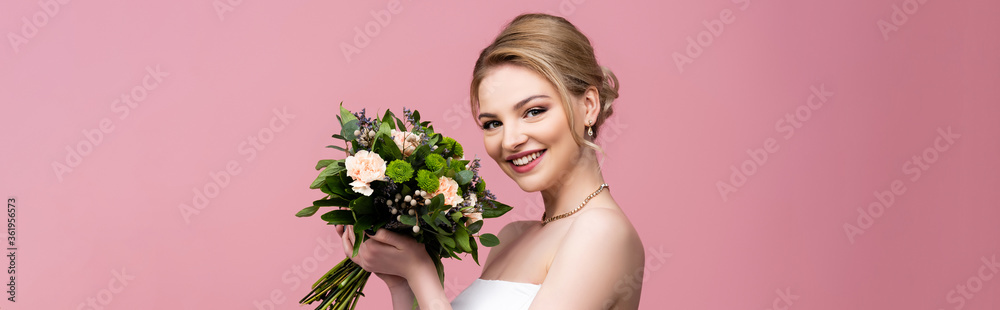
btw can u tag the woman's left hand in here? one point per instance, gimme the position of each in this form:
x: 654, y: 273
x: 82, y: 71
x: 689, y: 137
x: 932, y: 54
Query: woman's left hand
x: 388, y: 252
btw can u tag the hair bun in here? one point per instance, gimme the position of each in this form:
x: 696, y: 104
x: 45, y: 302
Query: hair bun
x: 608, y: 93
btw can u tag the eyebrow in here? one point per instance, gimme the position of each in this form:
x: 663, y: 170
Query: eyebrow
x: 516, y: 106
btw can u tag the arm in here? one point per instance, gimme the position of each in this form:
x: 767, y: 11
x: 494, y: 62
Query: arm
x: 402, y: 296
x: 399, y: 289
x: 598, y: 265
x: 405, y: 266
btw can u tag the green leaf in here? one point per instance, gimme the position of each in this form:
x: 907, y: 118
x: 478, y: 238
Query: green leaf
x: 363, y: 222
x: 333, y: 185
x: 421, y: 152
x: 475, y: 227
x: 332, y: 202
x: 339, y: 217
x: 416, y: 117
x: 324, y: 163
x: 439, y: 267
x: 400, y: 125
x: 463, y: 177
x: 347, y: 130
x: 434, y: 139
x: 437, y: 204
x: 462, y: 238
x: 389, y: 150
x: 475, y: 250
x: 345, y: 115
x: 337, y: 136
x: 498, y: 210
x: 331, y: 169
x: 358, y: 238
x: 408, y: 219
x: 489, y: 240
x: 389, y: 118
x: 446, y: 241
x: 336, y: 148
x: 362, y: 205
x: 307, y: 211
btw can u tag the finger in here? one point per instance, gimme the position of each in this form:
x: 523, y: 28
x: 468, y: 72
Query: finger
x: 348, y: 245
x: 339, y: 229
x: 349, y: 231
x: 387, y: 237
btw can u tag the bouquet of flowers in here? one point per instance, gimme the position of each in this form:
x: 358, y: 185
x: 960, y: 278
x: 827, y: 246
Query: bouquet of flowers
x: 402, y: 176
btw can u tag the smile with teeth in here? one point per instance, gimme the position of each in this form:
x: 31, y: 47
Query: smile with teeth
x: 527, y: 159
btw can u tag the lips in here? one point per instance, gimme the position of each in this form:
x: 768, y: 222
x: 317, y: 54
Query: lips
x: 524, y: 161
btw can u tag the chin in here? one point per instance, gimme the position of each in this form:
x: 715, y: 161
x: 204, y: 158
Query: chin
x: 539, y: 178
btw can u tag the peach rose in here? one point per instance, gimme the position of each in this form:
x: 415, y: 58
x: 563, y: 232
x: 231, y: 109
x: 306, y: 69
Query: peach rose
x: 406, y: 141
x: 449, y: 188
x: 364, y: 167
x: 473, y: 217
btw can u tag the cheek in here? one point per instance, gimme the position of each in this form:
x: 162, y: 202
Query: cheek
x: 492, y: 145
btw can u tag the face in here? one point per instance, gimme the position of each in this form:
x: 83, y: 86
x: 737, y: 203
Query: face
x: 525, y: 129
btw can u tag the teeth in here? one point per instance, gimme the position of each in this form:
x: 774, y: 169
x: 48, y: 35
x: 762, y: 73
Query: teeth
x: 526, y: 159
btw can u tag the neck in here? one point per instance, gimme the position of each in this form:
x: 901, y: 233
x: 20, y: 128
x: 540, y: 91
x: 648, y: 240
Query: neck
x: 575, y: 185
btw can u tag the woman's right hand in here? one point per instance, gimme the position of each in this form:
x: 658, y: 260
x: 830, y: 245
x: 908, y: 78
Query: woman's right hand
x: 394, y: 282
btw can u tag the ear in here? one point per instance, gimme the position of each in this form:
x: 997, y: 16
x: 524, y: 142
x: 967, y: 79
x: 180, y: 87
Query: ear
x: 591, y: 105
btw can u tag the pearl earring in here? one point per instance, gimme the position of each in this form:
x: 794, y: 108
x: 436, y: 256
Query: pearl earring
x: 590, y: 129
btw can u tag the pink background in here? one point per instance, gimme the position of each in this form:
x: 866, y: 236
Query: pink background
x: 674, y: 136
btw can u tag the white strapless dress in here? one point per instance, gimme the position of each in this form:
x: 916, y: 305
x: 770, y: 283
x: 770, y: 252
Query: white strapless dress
x: 495, y: 295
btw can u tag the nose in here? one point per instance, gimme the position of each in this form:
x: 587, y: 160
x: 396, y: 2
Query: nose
x: 513, y: 138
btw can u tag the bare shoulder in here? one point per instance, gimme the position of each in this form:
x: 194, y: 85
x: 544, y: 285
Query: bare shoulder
x: 604, y: 221
x: 610, y: 228
x: 514, y: 229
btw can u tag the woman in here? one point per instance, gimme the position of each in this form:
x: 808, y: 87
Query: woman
x: 540, y: 97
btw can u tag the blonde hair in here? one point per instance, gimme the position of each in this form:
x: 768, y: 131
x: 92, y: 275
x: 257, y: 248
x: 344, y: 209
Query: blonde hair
x: 552, y: 47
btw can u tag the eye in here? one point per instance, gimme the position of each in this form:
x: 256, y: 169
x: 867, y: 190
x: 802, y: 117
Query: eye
x: 534, y: 111
x: 491, y: 124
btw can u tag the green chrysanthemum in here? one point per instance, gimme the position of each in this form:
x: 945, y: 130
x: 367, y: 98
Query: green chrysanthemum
x: 457, y: 165
x: 399, y: 171
x: 427, y: 180
x: 454, y: 146
x: 434, y: 162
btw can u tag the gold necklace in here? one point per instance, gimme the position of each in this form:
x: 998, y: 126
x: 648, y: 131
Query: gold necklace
x: 585, y: 200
